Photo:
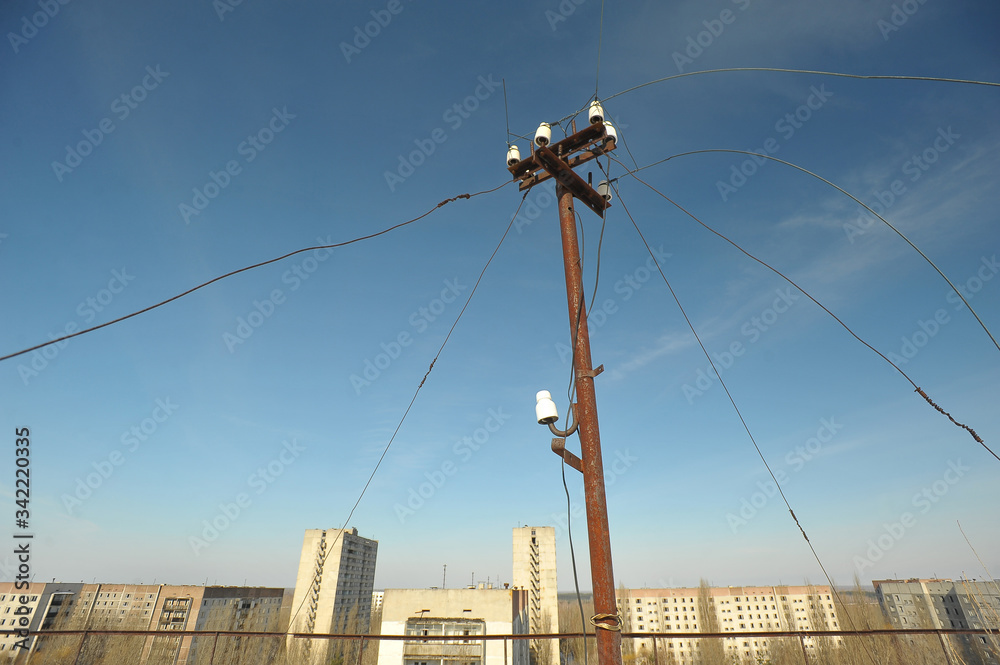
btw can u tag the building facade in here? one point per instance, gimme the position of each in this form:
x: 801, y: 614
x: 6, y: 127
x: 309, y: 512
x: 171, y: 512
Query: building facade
x: 944, y: 603
x: 333, y: 589
x: 462, y: 613
x: 534, y: 569
x: 37, y: 607
x: 154, y: 607
x: 721, y: 610
x: 940, y: 603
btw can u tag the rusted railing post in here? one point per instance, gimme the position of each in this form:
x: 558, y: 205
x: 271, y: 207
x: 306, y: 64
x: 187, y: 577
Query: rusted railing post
x: 211, y: 658
x: 944, y: 647
x: 805, y: 654
x: 80, y: 648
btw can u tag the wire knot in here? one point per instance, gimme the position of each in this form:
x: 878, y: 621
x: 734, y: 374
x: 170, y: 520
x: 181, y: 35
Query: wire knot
x: 597, y: 618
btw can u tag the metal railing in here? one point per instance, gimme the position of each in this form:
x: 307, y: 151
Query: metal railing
x: 189, y: 642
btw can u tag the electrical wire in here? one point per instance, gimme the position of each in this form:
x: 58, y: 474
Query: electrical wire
x: 600, y: 39
x: 804, y: 71
x: 416, y: 392
x: 245, y: 269
x: 738, y: 413
x: 600, y: 245
x: 790, y: 71
x: 916, y: 388
x: 572, y: 558
x: 506, y: 114
x: 856, y: 200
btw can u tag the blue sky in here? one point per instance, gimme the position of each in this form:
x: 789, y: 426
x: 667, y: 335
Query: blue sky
x: 287, y: 123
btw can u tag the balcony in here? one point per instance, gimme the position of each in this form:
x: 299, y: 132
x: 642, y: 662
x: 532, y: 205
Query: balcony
x: 436, y: 650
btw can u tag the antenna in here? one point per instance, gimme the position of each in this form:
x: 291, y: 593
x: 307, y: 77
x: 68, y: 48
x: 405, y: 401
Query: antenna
x: 444, y: 576
x: 505, y: 113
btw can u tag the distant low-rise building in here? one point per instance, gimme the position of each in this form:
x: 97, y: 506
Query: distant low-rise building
x: 461, y: 613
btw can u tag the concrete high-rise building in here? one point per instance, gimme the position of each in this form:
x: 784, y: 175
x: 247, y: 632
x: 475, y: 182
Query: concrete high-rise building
x: 462, y: 613
x: 943, y: 603
x: 333, y: 590
x: 940, y: 603
x: 722, y: 610
x: 535, y: 571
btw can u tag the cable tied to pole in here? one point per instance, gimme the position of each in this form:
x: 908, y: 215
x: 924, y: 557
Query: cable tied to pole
x: 597, y: 621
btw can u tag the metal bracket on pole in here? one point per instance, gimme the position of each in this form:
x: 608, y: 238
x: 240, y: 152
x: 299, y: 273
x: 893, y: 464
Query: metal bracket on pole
x: 589, y: 374
x: 589, y: 143
x: 559, y: 448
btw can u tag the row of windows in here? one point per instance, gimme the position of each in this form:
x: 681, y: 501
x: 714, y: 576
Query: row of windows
x: 15, y: 597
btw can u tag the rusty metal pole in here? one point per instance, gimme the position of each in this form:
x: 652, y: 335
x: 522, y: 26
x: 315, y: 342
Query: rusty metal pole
x: 608, y: 641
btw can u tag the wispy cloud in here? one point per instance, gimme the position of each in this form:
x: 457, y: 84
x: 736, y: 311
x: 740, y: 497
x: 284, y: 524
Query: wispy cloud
x: 664, y: 345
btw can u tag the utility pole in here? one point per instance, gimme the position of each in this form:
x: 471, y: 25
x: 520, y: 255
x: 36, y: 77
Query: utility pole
x: 557, y: 161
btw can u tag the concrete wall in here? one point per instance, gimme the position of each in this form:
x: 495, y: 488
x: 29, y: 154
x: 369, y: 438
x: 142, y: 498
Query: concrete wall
x: 500, y: 609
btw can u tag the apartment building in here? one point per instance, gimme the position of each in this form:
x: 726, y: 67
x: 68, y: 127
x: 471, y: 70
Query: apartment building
x: 725, y: 609
x: 534, y: 569
x: 947, y: 604
x: 333, y: 589
x: 159, y: 607
x: 940, y: 603
x: 34, y: 608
